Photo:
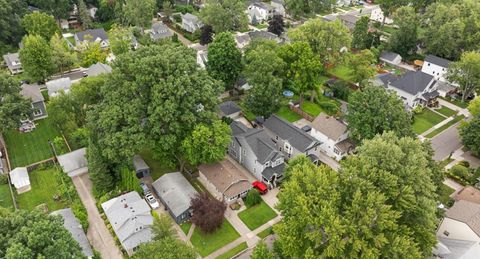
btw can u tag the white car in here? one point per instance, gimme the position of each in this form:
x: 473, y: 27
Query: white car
x: 152, y: 201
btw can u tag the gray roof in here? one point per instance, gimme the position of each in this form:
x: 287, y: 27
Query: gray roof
x: 92, y: 34
x: 466, y: 212
x: 98, y: 69
x: 190, y: 18
x: 265, y: 35
x: 32, y: 92
x: 329, y: 126
x: 268, y: 172
x: 175, y: 191
x: 298, y: 138
x: 12, y: 60
x: 348, y: 18
x: 160, y: 31
x: 242, y: 38
x: 438, y: 61
x: 54, y: 86
x: 139, y: 163
x: 389, y: 56
x: 278, y: 1
x: 130, y: 218
x: 74, y: 163
x: 229, y: 107
x: 430, y: 95
x: 413, y: 82
x: 71, y: 223
x: 449, y: 248
x: 263, y: 5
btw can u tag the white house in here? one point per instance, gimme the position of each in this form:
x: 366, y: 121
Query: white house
x: 20, y: 179
x: 436, y: 67
x: 377, y: 15
x: 55, y: 87
x: 333, y: 136
x: 260, y: 12
x: 191, y: 23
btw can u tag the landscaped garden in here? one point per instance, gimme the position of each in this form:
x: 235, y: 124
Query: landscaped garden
x: 234, y: 251
x: 425, y: 120
x: 209, y: 243
x: 341, y: 72
x: 257, y: 215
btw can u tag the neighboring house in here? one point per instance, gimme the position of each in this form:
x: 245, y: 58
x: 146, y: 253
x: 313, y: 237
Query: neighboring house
x: 242, y: 84
x: 291, y: 140
x: 259, y: 12
x: 33, y: 93
x: 348, y: 20
x: 20, y: 179
x: 333, y: 134
x: 131, y: 220
x: 242, y: 40
x: 229, y: 109
x: 71, y: 223
x: 263, y: 35
x: 256, y: 151
x: 175, y: 193
x: 12, y: 61
x: 468, y: 193
x: 74, y: 163
x: 92, y: 35
x: 376, y: 14
x: 98, y: 69
x: 160, y: 31
x: 191, y: 23
x: 391, y: 58
x: 278, y: 7
x: 55, y: 87
x: 225, y: 181
x: 141, y: 168
x: 459, y: 232
x: 202, y: 58
x: 415, y: 88
x: 436, y: 67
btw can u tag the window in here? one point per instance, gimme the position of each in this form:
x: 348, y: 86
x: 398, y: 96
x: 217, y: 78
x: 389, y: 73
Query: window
x: 336, y: 151
x: 244, y: 152
x: 37, y: 112
x: 267, y: 163
x: 446, y: 233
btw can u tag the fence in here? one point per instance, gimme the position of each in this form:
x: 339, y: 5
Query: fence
x: 300, y: 112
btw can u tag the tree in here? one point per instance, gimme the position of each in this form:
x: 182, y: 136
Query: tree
x: 84, y: 15
x: 99, y: 171
x: 373, y: 111
x: 58, y: 8
x: 404, y: 40
x: 91, y: 53
x: 206, y: 36
x: 331, y: 215
x: 362, y: 38
x: 40, y: 24
x: 168, y: 248
x: 466, y: 73
x: 261, y: 251
x: 469, y: 131
x: 388, y: 7
x: 36, y: 56
x: 162, y: 227
x: 12, y: 31
x: 362, y: 68
x: 139, y: 14
x: 474, y: 106
x: 325, y: 38
x: 13, y: 106
x: 224, y: 59
x: 120, y: 39
x: 167, y: 8
x: 207, y: 212
x: 62, y: 57
x: 276, y: 25
x: 253, y: 198
x: 303, y: 7
x: 28, y: 234
x: 224, y: 15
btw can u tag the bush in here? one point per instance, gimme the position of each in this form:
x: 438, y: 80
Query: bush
x: 418, y: 109
x: 341, y: 90
x: 177, y: 18
x: 80, y: 137
x: 329, y: 107
x: 207, y: 212
x: 253, y: 198
x: 464, y: 163
x: 181, y: 8
x: 463, y: 174
x: 3, y: 179
x: 128, y: 180
x: 81, y: 214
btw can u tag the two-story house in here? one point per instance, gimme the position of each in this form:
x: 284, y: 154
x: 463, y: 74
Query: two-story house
x: 256, y: 151
x: 32, y: 93
x: 333, y: 134
x: 191, y: 23
x: 436, y: 67
x: 12, y: 61
x: 92, y: 35
x: 259, y: 12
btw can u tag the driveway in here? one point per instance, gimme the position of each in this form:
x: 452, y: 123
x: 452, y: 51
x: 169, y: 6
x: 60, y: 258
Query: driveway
x: 97, y: 233
x: 446, y: 143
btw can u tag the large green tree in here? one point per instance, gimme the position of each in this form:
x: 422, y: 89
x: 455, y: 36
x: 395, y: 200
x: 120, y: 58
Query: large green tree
x: 404, y: 40
x: 10, y: 13
x: 58, y: 8
x: 225, y: 15
x: 466, y: 73
x: 84, y: 15
x: 362, y: 67
x: 36, y: 57
x: 363, y: 37
x: 139, y: 14
x: 303, y: 7
x: 474, y: 106
x: 224, y: 59
x: 373, y: 111
x: 62, y: 56
x: 91, y: 53
x: 13, y: 106
x: 120, y: 39
x: 388, y: 7
x: 261, y: 251
x: 470, y: 132
x: 41, y: 24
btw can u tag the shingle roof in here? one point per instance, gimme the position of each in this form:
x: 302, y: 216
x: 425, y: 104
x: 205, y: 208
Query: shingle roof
x: 438, y: 61
x: 263, y: 5
x: 12, y: 60
x: 329, y: 126
x: 93, y: 35
x: 139, y: 163
x: 469, y: 193
x: 228, y: 179
x: 449, y: 248
x: 466, y: 212
x: 32, y: 92
x: 298, y: 138
x: 242, y: 38
x: 71, y: 223
x: 268, y: 172
x: 160, y: 31
x: 190, y: 17
x: 19, y: 177
x: 74, y: 163
x: 413, y: 82
x: 54, y: 86
x: 389, y: 56
x: 175, y: 191
x: 229, y: 107
x: 98, y: 69
x: 254, y: 35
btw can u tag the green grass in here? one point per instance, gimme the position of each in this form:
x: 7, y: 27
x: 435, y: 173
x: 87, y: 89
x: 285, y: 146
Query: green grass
x: 388, y: 29
x: 457, y: 102
x: 446, y: 111
x: 311, y: 108
x: 5, y: 196
x: 342, y: 72
x: 445, y: 192
x: 28, y: 148
x: 261, y: 26
x: 234, y: 251
x: 71, y: 40
x: 185, y: 226
x: 425, y: 120
x: 444, y: 127
x: 157, y: 167
x: 45, y: 185
x: 445, y: 162
x: 288, y: 114
x: 209, y: 243
x: 265, y: 233
x: 257, y: 215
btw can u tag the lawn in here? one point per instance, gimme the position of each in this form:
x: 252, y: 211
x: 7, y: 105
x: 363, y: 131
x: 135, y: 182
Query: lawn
x: 209, y: 243
x: 425, y: 120
x: 185, y: 226
x: 311, y: 108
x: 388, y: 29
x: 261, y: 26
x: 28, y: 148
x: 444, y: 127
x: 342, y: 72
x: 45, y: 185
x: 265, y: 233
x: 234, y: 251
x: 446, y: 111
x: 257, y: 215
x: 445, y: 162
x: 157, y: 167
x: 288, y: 114
x: 445, y: 192
x: 5, y: 196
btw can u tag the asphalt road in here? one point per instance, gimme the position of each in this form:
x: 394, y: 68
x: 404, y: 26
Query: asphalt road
x: 446, y: 143
x: 74, y: 75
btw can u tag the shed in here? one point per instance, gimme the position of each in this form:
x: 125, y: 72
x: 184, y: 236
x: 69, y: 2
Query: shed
x: 230, y: 109
x: 391, y: 58
x: 20, y: 179
x: 141, y: 168
x: 74, y: 163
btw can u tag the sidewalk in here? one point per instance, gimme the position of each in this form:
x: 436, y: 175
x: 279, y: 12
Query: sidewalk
x: 452, y: 106
x: 447, y: 120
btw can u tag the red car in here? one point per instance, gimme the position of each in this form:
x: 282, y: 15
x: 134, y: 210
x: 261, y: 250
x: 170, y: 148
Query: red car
x: 261, y: 187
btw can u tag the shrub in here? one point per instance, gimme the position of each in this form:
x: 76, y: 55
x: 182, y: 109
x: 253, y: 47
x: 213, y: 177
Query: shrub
x: 177, y: 17
x: 207, y: 212
x: 418, y: 109
x: 460, y: 171
x: 181, y: 8
x: 341, y: 90
x: 253, y: 198
x: 59, y: 144
x: 80, y: 137
x: 464, y: 163
x: 329, y: 107
x: 3, y: 179
x: 81, y: 214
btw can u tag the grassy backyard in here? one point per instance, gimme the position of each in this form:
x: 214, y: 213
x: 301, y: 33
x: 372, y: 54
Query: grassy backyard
x: 157, y: 167
x: 27, y: 148
x: 425, y: 120
x: 234, y: 251
x: 446, y: 111
x: 342, y: 72
x: 5, y: 196
x: 311, y: 108
x: 257, y: 215
x: 209, y: 243
x: 288, y: 114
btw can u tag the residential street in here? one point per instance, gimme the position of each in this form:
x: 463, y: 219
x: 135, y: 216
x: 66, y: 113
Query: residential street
x: 446, y: 143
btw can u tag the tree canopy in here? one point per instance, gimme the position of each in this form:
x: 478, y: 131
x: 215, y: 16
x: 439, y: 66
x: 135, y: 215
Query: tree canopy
x: 36, y: 56
x: 224, y: 59
x: 225, y: 15
x: 362, y: 66
x: 13, y: 106
x: 41, y: 24
x: 139, y: 14
x: 466, y: 73
x: 404, y: 40
x: 63, y: 58
x: 12, y: 31
x: 470, y: 132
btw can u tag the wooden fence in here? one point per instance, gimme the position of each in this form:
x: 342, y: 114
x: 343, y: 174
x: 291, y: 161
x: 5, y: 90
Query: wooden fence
x: 300, y: 112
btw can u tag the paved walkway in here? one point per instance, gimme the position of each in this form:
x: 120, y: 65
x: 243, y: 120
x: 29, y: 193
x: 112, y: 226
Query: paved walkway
x: 97, y: 233
x: 324, y: 158
x: 447, y: 120
x: 452, y: 106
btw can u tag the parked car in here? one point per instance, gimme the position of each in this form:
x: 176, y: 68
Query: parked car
x: 152, y: 201
x: 145, y: 188
x: 261, y: 187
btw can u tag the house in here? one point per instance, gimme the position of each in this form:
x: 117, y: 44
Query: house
x: 468, y: 193
x: 242, y: 84
x: 71, y: 223
x: 20, y: 179
x: 33, y: 93
x: 436, y: 67
x: 141, y: 168
x: 175, y: 193
x: 98, y: 69
x: 131, y: 220
x: 259, y: 12
x: 376, y: 14
x: 225, y: 181
x: 92, y: 35
x: 12, y: 61
x: 242, y: 40
x: 230, y: 109
x: 391, y: 58
x: 256, y: 151
x: 202, y: 58
x: 74, y: 163
x: 55, y: 87
x: 459, y: 232
x: 160, y: 31
x: 263, y: 35
x: 348, y: 20
x: 415, y: 88
x: 333, y: 134
x: 291, y: 140
x: 278, y: 7
x: 191, y: 23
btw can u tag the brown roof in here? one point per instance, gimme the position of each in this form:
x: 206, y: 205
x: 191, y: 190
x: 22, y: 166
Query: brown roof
x: 466, y: 212
x: 345, y: 145
x: 470, y: 194
x: 329, y: 126
x: 226, y: 177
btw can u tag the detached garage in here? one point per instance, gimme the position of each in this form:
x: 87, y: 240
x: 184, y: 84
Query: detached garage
x: 20, y: 179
